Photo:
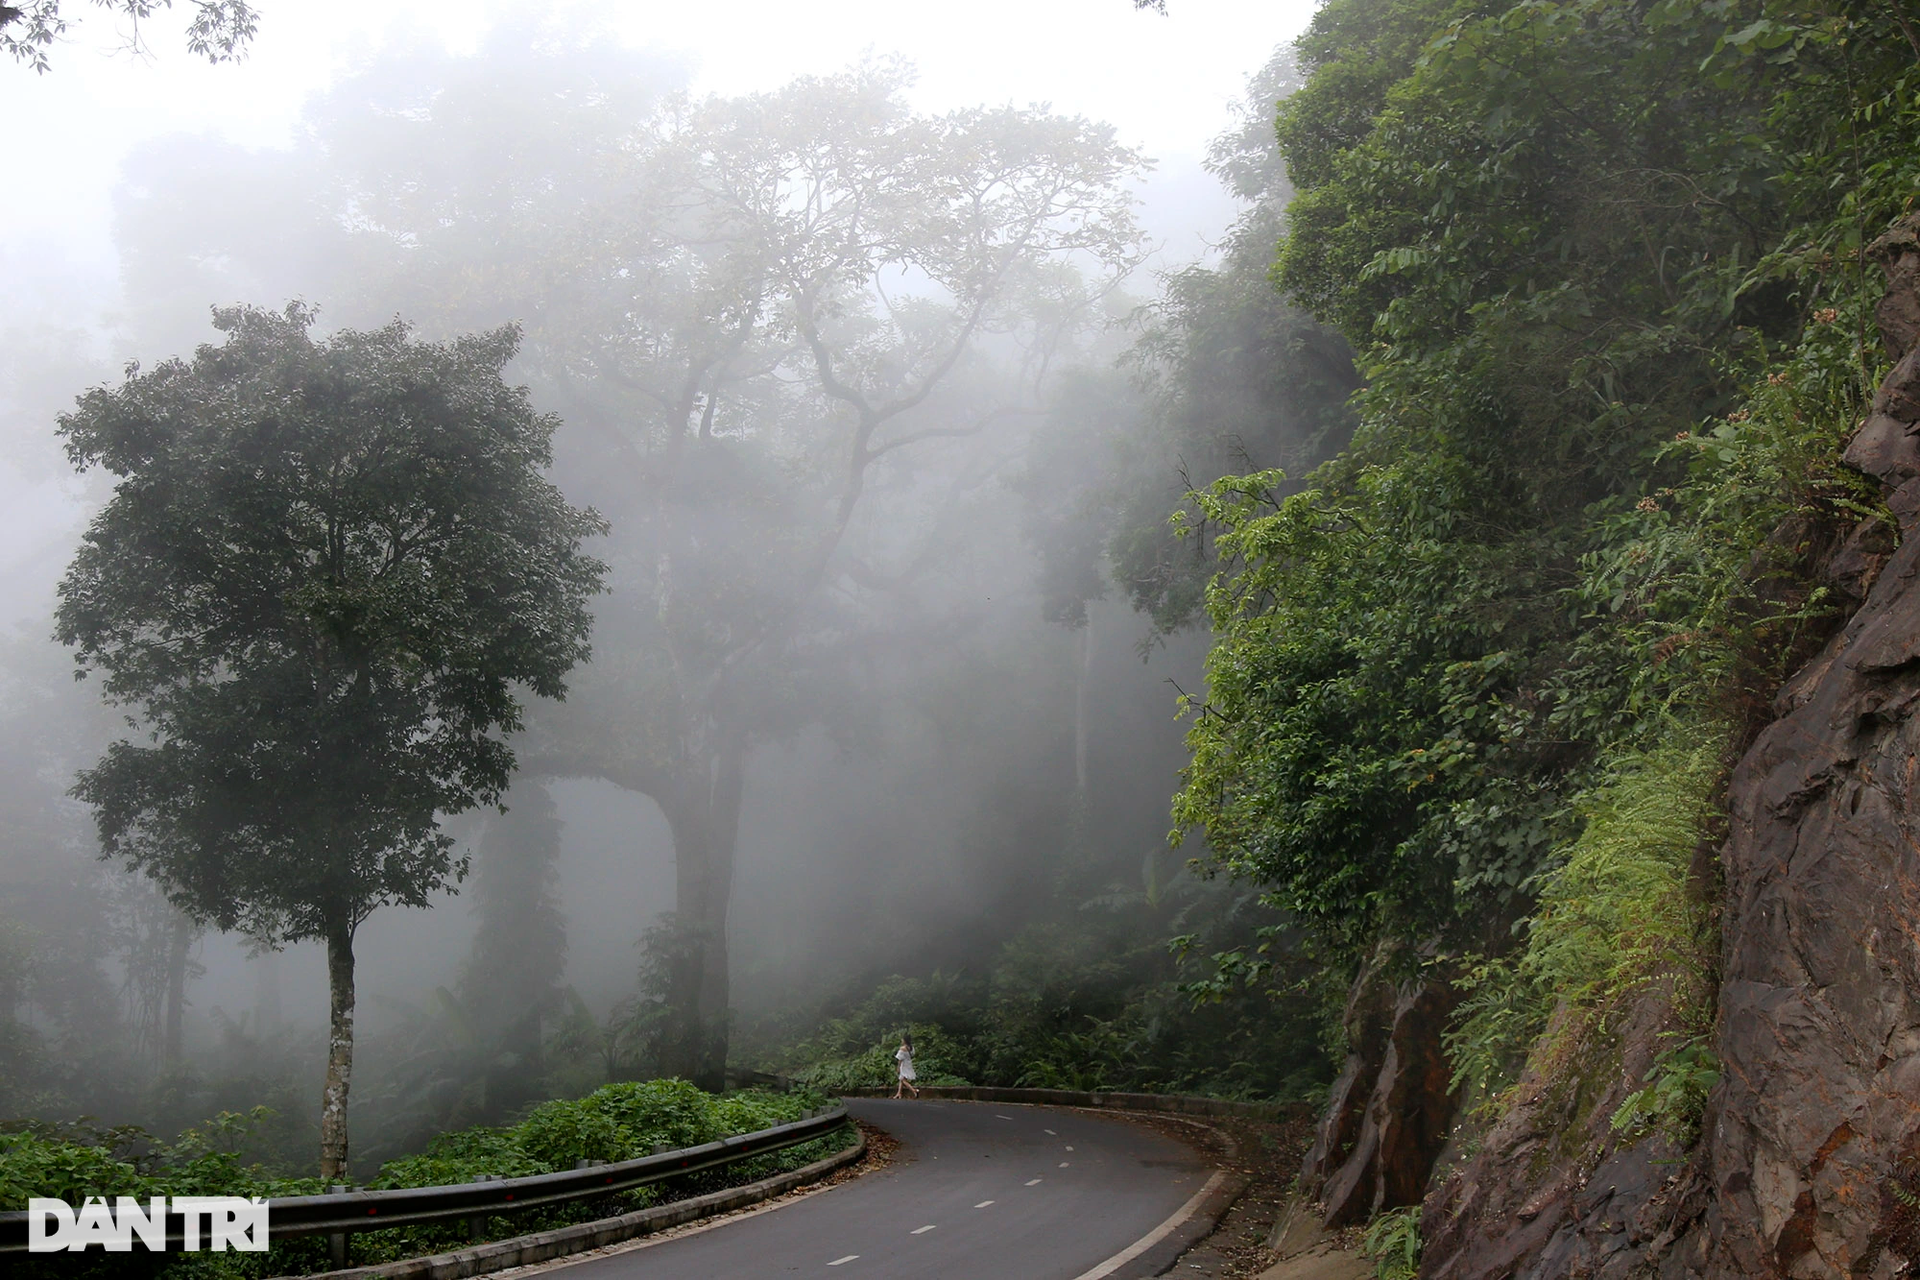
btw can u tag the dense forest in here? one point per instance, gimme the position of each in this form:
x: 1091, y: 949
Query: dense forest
x: 1478, y: 691
x: 1495, y: 550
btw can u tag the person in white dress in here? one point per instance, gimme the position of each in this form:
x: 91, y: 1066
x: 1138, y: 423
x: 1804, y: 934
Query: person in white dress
x: 903, y: 1056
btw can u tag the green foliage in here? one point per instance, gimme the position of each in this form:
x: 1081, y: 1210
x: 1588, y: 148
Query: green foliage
x: 1392, y: 1241
x: 1675, y: 1096
x: 619, y: 1122
x: 1602, y: 264
x: 320, y: 613
x: 1363, y: 748
x: 1096, y: 1001
x: 463, y: 1156
x: 75, y: 1161
x: 877, y: 1069
x: 1617, y: 917
x: 30, y: 1167
x: 1702, y: 591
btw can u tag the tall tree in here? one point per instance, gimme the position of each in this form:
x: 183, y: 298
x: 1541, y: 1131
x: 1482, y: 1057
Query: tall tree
x: 868, y: 281
x: 763, y: 318
x: 324, y: 569
x: 513, y: 974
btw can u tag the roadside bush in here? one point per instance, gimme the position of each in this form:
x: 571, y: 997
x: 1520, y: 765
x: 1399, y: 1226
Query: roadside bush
x: 618, y: 1122
x: 1615, y: 918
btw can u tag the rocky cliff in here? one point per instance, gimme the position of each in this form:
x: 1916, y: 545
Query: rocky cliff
x: 1809, y: 1160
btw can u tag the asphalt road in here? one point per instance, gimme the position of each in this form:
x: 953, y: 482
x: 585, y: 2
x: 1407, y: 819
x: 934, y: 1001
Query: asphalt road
x: 978, y: 1191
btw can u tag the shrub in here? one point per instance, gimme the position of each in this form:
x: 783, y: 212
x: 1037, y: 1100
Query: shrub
x: 1616, y: 916
x: 1392, y: 1241
x: 617, y: 1122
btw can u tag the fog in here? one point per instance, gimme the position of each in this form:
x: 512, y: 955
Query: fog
x: 954, y: 723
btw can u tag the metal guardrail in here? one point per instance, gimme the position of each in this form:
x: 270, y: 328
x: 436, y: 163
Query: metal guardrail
x: 351, y: 1211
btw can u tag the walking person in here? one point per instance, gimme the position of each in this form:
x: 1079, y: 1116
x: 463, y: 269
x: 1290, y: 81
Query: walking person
x: 904, y: 1057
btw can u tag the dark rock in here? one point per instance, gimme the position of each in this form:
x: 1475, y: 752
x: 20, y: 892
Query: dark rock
x: 1904, y: 502
x: 1885, y: 449
x: 1820, y: 1008
x: 1551, y: 1192
x: 1367, y: 1019
x: 1855, y: 566
x: 1393, y: 1106
x: 1898, y: 253
x: 1899, y: 396
x: 1819, y: 1031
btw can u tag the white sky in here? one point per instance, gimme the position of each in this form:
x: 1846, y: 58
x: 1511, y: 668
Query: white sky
x: 1166, y: 81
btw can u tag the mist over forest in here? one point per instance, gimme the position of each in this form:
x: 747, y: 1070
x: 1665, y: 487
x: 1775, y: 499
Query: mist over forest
x: 947, y: 688
x: 571, y: 581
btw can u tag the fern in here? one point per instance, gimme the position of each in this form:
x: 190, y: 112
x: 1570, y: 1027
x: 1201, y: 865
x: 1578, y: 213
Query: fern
x: 1616, y: 916
x: 1675, y: 1095
x: 1392, y: 1241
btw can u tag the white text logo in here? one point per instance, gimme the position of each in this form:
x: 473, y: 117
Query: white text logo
x: 225, y: 1222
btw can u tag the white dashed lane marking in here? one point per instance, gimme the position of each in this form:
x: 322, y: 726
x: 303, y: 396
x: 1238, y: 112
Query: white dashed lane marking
x: 983, y: 1204
x: 920, y: 1231
x: 998, y: 1116
x: 1050, y: 1133
x: 837, y: 1261
x: 1069, y: 1148
x: 1034, y: 1183
x: 1063, y: 1164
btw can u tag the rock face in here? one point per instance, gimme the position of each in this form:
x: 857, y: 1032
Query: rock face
x: 1549, y: 1193
x: 1390, y: 1111
x: 1817, y: 1121
x: 1810, y: 1161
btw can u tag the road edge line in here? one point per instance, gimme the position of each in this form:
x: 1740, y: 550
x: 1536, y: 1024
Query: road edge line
x: 1191, y: 1223
x: 1180, y: 1217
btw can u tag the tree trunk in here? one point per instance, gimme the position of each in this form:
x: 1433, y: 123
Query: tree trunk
x: 715, y: 997
x: 266, y: 993
x: 1081, y: 685
x: 705, y: 819
x: 333, y: 1099
x: 179, y: 948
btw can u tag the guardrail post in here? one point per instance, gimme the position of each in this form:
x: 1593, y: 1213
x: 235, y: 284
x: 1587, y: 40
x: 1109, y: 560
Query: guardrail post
x: 477, y: 1224
x: 337, y: 1240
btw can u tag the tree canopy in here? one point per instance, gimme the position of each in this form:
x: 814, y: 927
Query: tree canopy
x: 326, y: 572
x: 757, y: 311
x: 218, y: 30
x: 1568, y: 240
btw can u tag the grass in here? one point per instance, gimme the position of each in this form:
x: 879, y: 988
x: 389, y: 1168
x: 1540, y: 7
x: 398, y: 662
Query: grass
x: 1617, y: 920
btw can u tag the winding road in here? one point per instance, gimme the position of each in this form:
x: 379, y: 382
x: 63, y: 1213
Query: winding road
x: 977, y: 1191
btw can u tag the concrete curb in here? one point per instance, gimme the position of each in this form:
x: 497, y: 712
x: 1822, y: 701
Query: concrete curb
x: 1155, y: 1253
x: 546, y: 1245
